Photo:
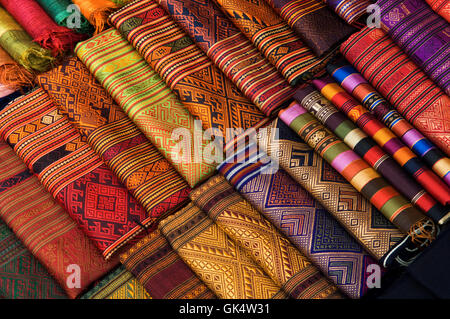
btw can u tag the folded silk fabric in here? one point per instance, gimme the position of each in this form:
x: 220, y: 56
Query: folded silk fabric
x: 223, y: 265
x: 63, y: 15
x: 21, y: 275
x: 386, y: 139
x: 43, y: 30
x: 232, y: 52
x: 442, y: 7
x: 12, y: 74
x: 316, y: 24
x: 162, y: 272
x: 147, y: 100
x: 422, y: 34
x: 96, y: 11
x: 119, y: 284
x: 363, y: 221
x: 20, y: 46
x: 293, y: 272
x: 274, y: 39
x: 299, y: 217
x: 358, y: 173
x: 349, y: 10
x: 44, y: 227
x: 202, y: 88
x: 114, y: 137
x: 72, y: 172
x: 402, y: 83
x: 355, y: 84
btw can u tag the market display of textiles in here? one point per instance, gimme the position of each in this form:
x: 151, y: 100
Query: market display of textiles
x: 215, y: 149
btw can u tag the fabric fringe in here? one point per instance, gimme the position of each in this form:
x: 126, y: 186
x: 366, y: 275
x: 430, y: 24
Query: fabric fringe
x: 99, y: 18
x: 59, y: 42
x: 36, y: 59
x: 14, y: 76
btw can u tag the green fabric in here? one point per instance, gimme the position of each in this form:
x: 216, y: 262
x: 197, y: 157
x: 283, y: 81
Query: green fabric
x: 57, y: 9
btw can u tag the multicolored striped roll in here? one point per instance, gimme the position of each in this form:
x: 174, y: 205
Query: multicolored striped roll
x: 365, y: 147
x: 355, y: 84
x: 349, y: 10
x: 355, y: 170
x: 384, y: 137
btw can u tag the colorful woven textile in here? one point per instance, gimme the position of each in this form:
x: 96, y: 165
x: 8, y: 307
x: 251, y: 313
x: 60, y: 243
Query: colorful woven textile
x: 44, y: 227
x: 62, y: 15
x: 21, y: 275
x: 43, y: 30
x: 12, y: 74
x: 71, y: 171
x: 442, y: 7
x: 317, y: 25
x: 422, y: 34
x: 386, y: 139
x: 223, y: 265
x: 355, y: 170
x: 162, y: 272
x: 349, y: 10
x: 355, y: 84
x: 20, y: 46
x: 402, y: 83
x: 146, y: 99
x: 232, y: 52
x: 274, y: 39
x: 302, y: 220
x: 202, y: 88
x: 114, y: 137
x: 293, y: 272
x: 363, y: 221
x: 96, y: 11
x: 119, y: 284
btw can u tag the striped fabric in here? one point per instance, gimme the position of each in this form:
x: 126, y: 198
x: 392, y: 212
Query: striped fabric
x: 161, y: 271
x: 44, y: 227
x: 274, y: 39
x: 363, y: 221
x: 422, y: 34
x: 273, y: 252
x: 202, y: 88
x: 441, y: 7
x: 222, y: 264
x: 402, y: 83
x: 71, y: 171
x: 365, y: 147
x: 349, y: 10
x: 232, y: 52
x: 146, y: 99
x: 300, y: 218
x: 316, y: 24
x: 355, y: 84
x: 384, y: 137
x: 355, y: 170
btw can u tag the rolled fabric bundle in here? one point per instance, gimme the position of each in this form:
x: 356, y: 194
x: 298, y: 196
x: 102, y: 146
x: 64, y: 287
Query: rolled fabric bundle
x: 294, y: 273
x: 441, y: 7
x: 115, y: 138
x: 363, y: 177
x: 20, y: 46
x: 43, y: 30
x: 119, y: 284
x: 12, y: 74
x: 204, y: 246
x: 364, y: 146
x: 144, y: 96
x: 45, y: 228
x: 349, y: 10
x: 299, y: 217
x: 21, y: 275
x: 402, y: 83
x: 96, y: 11
x: 422, y: 34
x: 72, y: 172
x: 58, y: 11
x: 316, y: 24
x: 274, y: 39
x: 355, y: 84
x: 162, y: 272
x: 232, y: 52
x: 202, y: 88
